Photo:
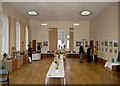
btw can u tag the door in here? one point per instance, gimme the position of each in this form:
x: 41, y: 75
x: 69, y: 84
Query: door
x: 34, y: 45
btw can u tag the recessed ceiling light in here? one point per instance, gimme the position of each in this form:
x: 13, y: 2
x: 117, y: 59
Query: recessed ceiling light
x: 76, y: 24
x: 85, y: 13
x: 32, y: 13
x: 43, y: 24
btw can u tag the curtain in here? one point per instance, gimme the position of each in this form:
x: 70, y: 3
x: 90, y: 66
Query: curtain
x: 53, y: 39
x: 26, y: 37
x: 17, y: 36
x: 4, y: 34
x: 71, y: 39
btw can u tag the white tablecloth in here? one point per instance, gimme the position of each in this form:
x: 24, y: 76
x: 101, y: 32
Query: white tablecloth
x: 36, y: 56
x: 110, y: 64
x: 53, y: 73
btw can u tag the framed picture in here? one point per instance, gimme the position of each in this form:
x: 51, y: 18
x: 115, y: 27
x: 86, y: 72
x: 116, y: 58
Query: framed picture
x: 106, y: 49
x: 45, y: 43
x: 86, y: 44
x: 78, y: 43
x: 115, y: 51
x: 110, y: 44
x: 102, y: 43
x: 110, y: 50
x: 106, y: 43
x: 115, y: 43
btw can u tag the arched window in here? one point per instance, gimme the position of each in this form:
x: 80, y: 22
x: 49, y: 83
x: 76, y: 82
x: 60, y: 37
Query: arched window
x: 4, y: 34
x: 26, y: 37
x: 61, y: 38
x: 17, y: 36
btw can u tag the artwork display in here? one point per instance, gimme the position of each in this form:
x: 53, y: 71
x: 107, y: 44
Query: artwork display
x: 115, y: 51
x: 106, y: 43
x: 106, y: 49
x: 110, y: 44
x: 102, y: 43
x: 38, y: 43
x: 45, y: 43
x: 86, y: 44
x: 110, y: 50
x: 115, y: 43
x: 78, y: 43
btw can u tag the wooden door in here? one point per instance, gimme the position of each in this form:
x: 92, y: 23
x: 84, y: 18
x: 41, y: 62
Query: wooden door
x: 34, y: 45
x: 91, y: 44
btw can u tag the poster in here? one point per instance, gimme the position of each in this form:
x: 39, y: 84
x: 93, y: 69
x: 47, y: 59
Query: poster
x: 78, y: 43
x: 110, y: 44
x: 106, y: 43
x: 45, y: 43
x: 115, y: 43
x: 86, y: 44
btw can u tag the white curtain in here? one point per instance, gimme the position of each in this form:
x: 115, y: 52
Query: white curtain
x: 26, y: 37
x: 4, y: 34
x: 17, y: 36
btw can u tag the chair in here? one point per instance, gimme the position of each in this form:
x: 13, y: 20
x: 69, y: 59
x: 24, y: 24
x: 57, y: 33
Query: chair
x: 52, y: 52
x: 4, y: 76
x: 69, y: 52
x: 73, y: 52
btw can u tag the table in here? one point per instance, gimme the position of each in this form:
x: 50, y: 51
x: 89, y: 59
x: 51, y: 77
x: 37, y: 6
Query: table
x: 110, y: 64
x: 36, y: 56
x: 53, y: 73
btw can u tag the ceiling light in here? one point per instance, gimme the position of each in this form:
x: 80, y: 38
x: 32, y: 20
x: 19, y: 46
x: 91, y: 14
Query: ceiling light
x: 43, y: 24
x: 85, y: 13
x: 76, y: 24
x: 33, y: 13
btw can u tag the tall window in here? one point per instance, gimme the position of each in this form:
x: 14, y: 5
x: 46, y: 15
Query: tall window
x: 4, y: 34
x: 61, y: 38
x: 68, y: 41
x: 17, y: 36
x: 26, y: 37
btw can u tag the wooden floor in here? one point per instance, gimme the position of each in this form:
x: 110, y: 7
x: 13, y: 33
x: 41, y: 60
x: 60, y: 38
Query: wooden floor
x: 75, y: 73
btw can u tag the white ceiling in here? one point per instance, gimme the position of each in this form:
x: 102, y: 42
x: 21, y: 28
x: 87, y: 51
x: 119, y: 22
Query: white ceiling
x: 60, y: 11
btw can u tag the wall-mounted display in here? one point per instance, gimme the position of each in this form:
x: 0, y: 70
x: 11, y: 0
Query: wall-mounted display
x: 106, y: 43
x: 86, y: 44
x: 110, y: 44
x: 115, y: 51
x: 45, y: 43
x: 106, y: 49
x: 102, y: 43
x: 110, y: 50
x: 115, y: 43
x: 78, y: 43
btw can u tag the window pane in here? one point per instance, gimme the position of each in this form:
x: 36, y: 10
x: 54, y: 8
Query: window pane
x: 17, y: 36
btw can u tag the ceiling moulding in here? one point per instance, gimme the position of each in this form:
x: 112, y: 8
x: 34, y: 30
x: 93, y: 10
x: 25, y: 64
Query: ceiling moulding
x: 60, y: 0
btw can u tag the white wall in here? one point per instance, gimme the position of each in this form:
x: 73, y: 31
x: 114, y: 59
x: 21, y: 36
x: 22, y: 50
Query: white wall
x: 104, y: 27
x: 40, y: 33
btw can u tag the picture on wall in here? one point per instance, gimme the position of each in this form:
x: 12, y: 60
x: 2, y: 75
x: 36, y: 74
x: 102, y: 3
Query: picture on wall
x: 38, y: 43
x: 110, y: 44
x: 78, y: 43
x: 86, y: 44
x: 106, y: 49
x: 102, y: 43
x: 115, y: 43
x: 106, y: 43
x: 110, y: 50
x: 115, y: 51
x: 45, y: 43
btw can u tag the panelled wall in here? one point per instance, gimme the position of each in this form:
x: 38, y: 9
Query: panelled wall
x: 40, y: 33
x: 104, y: 27
x: 13, y: 16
